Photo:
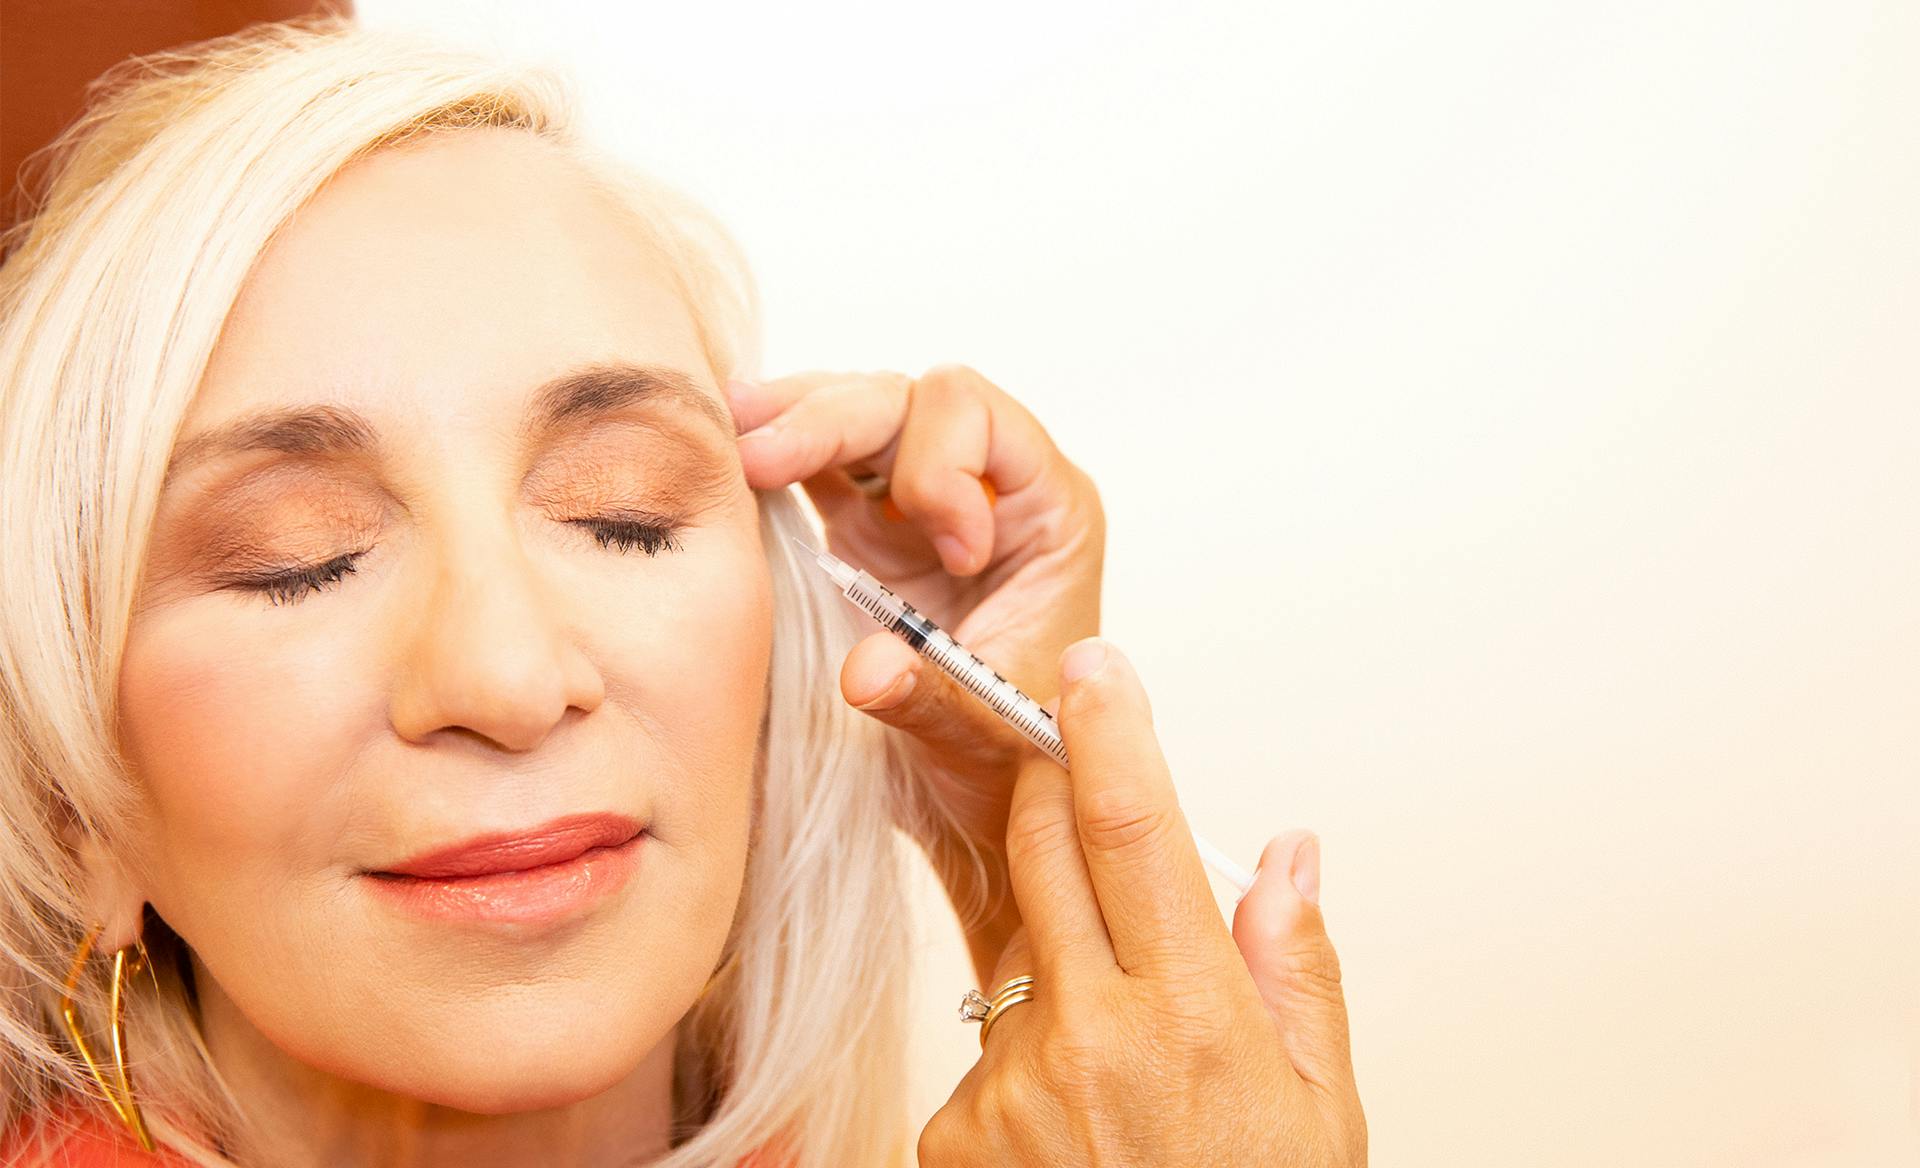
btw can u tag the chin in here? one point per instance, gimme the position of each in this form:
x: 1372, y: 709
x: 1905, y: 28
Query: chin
x: 496, y: 1094
x: 514, y: 1062
x: 484, y: 1082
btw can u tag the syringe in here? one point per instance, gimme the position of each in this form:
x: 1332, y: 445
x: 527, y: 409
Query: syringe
x: 978, y: 678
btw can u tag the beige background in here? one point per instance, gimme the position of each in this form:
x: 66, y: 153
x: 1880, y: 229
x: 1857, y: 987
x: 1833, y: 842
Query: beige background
x: 1509, y: 419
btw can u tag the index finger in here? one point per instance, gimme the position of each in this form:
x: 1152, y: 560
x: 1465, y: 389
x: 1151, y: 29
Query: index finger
x: 1140, y: 853
x: 804, y: 424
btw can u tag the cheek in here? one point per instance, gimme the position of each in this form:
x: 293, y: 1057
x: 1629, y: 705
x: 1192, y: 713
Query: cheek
x: 687, y: 661
x: 231, y: 738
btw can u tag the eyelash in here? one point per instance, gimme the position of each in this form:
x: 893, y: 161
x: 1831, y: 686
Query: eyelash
x: 623, y: 534
x: 631, y: 533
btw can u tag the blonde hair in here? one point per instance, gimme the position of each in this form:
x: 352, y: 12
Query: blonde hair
x: 163, y: 195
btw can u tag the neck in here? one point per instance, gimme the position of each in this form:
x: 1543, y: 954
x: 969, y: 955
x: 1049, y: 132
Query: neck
x: 304, y: 1117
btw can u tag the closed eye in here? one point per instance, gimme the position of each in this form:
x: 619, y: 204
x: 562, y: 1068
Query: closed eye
x: 624, y: 535
x: 295, y: 585
x: 292, y: 586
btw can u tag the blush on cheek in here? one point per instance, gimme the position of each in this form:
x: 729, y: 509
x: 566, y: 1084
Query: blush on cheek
x: 236, y: 739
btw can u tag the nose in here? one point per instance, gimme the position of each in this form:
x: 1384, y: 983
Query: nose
x: 490, y: 654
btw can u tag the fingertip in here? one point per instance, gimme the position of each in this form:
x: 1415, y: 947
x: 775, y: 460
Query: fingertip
x: 761, y: 459
x: 1097, y: 665
x: 954, y: 555
x: 760, y: 478
x: 892, y: 694
x: 966, y: 531
x: 1305, y: 869
x: 1273, y: 906
x: 1083, y: 661
x: 740, y: 394
x: 1294, y: 854
x: 873, y: 670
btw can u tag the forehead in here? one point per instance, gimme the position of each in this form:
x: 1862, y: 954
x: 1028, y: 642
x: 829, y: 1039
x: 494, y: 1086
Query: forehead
x: 447, y: 277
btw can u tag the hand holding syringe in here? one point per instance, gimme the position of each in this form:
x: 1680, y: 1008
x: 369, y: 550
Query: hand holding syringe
x: 977, y: 678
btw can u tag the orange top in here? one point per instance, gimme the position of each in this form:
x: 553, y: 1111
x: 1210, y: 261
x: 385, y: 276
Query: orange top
x: 100, y: 1144
x: 97, y: 1144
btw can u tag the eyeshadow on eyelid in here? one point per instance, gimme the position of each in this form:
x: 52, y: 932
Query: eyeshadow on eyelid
x: 688, y: 468
x: 612, y: 460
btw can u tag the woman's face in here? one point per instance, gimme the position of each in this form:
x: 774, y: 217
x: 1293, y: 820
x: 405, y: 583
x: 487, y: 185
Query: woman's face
x: 456, y: 543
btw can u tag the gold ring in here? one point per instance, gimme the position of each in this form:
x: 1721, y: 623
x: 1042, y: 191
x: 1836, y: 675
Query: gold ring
x: 1000, y: 1005
x: 975, y: 1008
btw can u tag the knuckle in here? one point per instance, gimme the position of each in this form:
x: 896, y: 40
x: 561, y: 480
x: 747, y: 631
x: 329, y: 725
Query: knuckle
x: 1084, y: 523
x: 1095, y: 519
x: 1191, y: 1047
x: 1079, y: 1052
x: 951, y: 373
x: 1121, y: 821
x: 1201, y: 1024
x: 1089, y: 489
x: 996, y: 1105
x: 941, y: 1140
x: 1077, y: 1074
x: 833, y: 397
x: 1175, y: 957
x: 1314, y: 967
x: 926, y: 490
x: 1037, y: 832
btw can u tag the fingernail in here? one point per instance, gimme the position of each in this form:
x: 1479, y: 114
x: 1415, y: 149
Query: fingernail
x: 1083, y: 658
x: 1306, y: 869
x: 893, y: 695
x: 953, y: 553
x: 739, y: 386
x: 770, y: 430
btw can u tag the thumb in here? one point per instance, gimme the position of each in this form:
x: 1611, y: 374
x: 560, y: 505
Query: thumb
x: 1283, y: 939
x: 892, y: 684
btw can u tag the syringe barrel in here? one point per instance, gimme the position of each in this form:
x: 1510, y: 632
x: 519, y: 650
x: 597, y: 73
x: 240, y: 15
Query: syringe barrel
x: 973, y: 674
x: 984, y: 682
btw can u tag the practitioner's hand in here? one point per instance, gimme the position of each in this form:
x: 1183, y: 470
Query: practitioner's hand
x: 1154, y: 1037
x: 988, y: 530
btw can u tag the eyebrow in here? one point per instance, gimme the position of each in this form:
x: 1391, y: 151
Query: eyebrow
x: 590, y: 391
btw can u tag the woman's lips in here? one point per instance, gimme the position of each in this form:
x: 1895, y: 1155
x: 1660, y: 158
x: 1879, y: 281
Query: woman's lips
x: 511, y: 851
x: 539, y: 875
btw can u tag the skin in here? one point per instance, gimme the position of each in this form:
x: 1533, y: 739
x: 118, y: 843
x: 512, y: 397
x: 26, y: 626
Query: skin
x: 497, y: 656
x: 488, y: 664
x: 1154, y: 1035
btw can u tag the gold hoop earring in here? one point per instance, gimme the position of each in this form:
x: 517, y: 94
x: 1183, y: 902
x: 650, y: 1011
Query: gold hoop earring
x: 720, y: 972
x: 124, y: 968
